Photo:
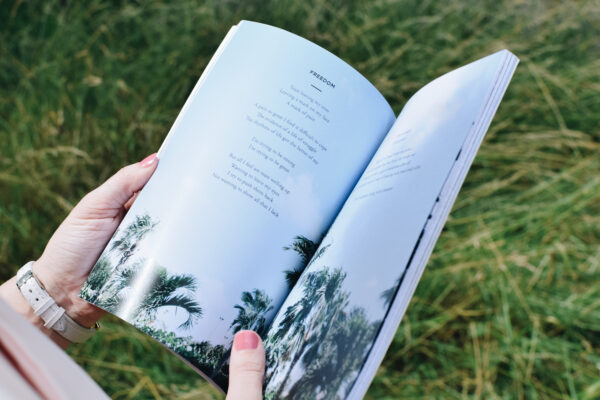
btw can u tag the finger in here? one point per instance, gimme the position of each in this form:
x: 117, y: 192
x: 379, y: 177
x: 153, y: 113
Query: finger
x: 246, y: 367
x: 116, y: 192
x: 129, y: 202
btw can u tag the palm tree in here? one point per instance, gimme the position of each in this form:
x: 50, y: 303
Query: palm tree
x: 99, y: 274
x: 388, y: 294
x: 201, y: 354
x: 126, y: 244
x: 307, y: 250
x: 333, y: 360
x: 274, y: 355
x: 298, y: 322
x: 170, y: 291
x: 252, y: 314
x: 164, y: 290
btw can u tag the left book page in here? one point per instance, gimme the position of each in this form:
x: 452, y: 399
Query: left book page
x: 256, y: 167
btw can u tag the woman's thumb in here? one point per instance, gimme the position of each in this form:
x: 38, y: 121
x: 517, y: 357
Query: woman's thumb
x: 246, y: 367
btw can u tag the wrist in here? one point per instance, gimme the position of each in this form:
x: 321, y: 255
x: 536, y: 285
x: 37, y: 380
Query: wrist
x: 66, y: 295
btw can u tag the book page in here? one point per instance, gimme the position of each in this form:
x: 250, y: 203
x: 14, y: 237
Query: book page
x: 432, y: 229
x: 322, y: 336
x: 255, y: 169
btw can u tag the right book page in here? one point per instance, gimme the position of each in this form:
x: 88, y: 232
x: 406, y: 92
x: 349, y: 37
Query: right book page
x: 332, y: 331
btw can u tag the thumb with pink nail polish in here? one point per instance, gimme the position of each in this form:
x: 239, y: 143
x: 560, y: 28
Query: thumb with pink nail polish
x: 246, y: 367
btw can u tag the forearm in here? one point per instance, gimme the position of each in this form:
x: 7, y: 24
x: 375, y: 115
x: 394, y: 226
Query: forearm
x: 12, y: 296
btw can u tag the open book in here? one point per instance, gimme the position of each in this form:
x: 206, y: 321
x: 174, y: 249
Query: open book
x: 290, y: 200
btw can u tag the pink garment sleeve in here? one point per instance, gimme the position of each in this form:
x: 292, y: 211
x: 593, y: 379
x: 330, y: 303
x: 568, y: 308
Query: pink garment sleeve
x: 47, y: 368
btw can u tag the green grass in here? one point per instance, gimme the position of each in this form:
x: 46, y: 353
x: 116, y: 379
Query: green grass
x: 509, y: 306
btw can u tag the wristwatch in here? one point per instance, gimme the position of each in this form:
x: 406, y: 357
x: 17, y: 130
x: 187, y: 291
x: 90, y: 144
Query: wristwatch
x: 45, y: 307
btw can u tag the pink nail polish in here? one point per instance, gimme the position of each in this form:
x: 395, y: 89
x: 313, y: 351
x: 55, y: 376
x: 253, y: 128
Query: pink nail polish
x: 246, y: 340
x: 148, y: 161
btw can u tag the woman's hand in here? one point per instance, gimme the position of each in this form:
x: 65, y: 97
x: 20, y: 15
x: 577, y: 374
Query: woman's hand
x: 77, y: 243
x: 246, y: 367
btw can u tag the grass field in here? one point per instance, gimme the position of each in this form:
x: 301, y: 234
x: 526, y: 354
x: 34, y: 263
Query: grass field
x: 509, y: 306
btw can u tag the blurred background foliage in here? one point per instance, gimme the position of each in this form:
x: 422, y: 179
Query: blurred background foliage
x: 509, y: 306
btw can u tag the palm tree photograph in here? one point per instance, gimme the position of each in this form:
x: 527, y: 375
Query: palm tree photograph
x: 317, y: 342
x: 123, y: 245
x: 129, y: 282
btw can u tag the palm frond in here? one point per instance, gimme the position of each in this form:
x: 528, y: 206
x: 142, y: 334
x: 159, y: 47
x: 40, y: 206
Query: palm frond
x: 256, y: 304
x: 293, y: 275
x: 188, y: 304
x: 304, y: 247
x: 181, y: 281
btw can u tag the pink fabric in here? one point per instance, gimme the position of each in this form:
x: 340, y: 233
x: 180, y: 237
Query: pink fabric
x: 44, y: 365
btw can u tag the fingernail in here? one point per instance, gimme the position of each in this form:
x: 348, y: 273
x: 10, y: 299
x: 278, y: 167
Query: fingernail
x: 148, y: 161
x: 246, y: 340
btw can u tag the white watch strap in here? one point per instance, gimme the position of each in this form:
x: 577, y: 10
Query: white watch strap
x: 45, y: 307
